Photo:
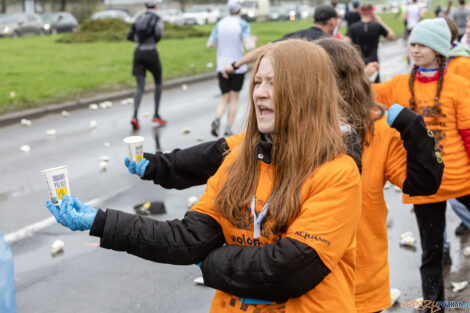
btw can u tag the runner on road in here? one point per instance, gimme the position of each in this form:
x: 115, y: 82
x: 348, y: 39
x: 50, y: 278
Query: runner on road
x: 229, y: 36
x: 146, y: 32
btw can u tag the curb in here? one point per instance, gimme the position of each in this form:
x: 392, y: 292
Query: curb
x: 15, y: 117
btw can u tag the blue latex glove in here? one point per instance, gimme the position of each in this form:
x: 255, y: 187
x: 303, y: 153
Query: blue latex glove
x: 72, y: 213
x: 134, y: 168
x: 393, y: 112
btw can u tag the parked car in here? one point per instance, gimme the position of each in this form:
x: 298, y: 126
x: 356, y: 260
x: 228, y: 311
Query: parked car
x: 305, y: 11
x: 255, y: 10
x: 201, y: 15
x: 278, y: 13
x: 59, y: 22
x: 20, y: 24
x: 172, y: 16
x: 119, y: 14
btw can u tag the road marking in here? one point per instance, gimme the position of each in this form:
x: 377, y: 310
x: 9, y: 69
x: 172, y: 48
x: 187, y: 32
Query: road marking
x: 31, y: 229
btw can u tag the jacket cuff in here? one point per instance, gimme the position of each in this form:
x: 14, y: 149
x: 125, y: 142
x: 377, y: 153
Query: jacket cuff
x: 403, y: 119
x: 97, y: 227
x: 151, y: 168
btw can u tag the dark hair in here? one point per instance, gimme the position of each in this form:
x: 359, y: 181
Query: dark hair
x: 462, y: 2
x: 454, y: 31
x: 367, y: 7
x: 361, y: 110
x: 435, y: 110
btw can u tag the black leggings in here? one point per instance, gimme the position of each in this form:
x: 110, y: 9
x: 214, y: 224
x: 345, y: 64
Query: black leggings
x: 147, y: 60
x: 140, y: 79
x: 431, y: 219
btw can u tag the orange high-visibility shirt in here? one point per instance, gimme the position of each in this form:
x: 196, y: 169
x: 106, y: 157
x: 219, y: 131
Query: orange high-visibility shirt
x: 460, y: 66
x: 455, y: 106
x: 327, y: 222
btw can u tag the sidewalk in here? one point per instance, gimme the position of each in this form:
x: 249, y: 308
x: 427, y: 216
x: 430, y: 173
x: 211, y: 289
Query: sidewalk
x: 15, y: 117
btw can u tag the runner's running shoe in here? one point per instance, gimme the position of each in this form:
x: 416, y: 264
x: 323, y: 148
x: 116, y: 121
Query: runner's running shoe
x: 159, y: 121
x: 135, y: 124
x: 215, y: 127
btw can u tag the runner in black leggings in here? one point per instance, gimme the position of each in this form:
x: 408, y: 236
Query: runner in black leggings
x: 146, y: 32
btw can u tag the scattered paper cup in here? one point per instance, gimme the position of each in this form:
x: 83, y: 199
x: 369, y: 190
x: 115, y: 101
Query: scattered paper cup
x: 57, y: 181
x: 135, y: 147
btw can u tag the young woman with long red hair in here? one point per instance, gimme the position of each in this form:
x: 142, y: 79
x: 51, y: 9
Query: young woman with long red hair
x: 278, y: 219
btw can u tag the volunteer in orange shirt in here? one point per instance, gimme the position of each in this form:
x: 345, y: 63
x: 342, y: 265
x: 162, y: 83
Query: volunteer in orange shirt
x: 459, y: 55
x: 416, y: 171
x: 286, y: 202
x: 443, y: 99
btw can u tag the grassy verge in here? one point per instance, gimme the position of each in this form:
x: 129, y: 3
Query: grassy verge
x: 38, y: 70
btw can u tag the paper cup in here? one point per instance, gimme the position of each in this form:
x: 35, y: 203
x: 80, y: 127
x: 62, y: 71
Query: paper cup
x: 135, y: 147
x: 57, y: 181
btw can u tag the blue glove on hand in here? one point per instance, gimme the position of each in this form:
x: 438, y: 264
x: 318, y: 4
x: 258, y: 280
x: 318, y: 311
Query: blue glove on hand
x: 134, y: 168
x: 72, y: 213
x: 392, y: 113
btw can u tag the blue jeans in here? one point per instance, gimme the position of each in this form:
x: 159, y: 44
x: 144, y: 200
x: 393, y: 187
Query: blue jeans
x: 461, y: 210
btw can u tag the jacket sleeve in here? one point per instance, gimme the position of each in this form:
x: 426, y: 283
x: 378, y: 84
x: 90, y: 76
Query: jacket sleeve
x: 424, y: 165
x: 274, y: 272
x: 180, y: 242
x: 185, y: 168
x: 130, y: 34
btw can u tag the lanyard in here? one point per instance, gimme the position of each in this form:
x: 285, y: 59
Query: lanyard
x: 258, y: 219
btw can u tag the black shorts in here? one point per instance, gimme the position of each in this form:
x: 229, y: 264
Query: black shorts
x: 233, y: 83
x: 147, y: 60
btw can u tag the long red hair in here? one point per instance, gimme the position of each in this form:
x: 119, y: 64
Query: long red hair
x: 306, y: 132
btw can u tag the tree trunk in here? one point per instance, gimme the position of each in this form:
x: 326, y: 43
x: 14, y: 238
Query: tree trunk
x: 63, y: 5
x: 4, y: 6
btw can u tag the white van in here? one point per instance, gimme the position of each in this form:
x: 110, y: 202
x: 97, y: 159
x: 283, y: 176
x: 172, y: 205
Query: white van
x: 255, y: 10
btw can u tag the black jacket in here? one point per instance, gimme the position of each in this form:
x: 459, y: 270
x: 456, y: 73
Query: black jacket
x: 274, y: 272
x: 193, y: 166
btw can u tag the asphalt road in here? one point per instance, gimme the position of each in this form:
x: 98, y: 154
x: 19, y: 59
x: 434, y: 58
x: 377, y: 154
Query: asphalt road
x: 87, y: 278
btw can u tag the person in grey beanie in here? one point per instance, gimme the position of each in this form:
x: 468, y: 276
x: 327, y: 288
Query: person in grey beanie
x: 443, y: 99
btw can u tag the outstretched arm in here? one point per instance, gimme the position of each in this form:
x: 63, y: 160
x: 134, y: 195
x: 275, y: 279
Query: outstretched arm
x: 424, y: 165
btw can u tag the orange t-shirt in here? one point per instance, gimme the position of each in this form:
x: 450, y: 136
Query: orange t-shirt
x: 455, y: 106
x: 383, y: 159
x: 327, y: 222
x: 460, y: 66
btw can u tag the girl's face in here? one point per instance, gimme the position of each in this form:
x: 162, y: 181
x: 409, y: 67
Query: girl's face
x: 263, y: 96
x: 423, y: 56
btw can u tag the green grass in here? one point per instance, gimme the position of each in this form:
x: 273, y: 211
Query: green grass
x: 41, y: 71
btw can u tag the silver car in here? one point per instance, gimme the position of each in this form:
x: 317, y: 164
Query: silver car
x: 59, y: 22
x: 20, y: 24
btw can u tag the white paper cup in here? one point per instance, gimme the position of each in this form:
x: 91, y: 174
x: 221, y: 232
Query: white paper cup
x: 57, y: 181
x: 135, y: 147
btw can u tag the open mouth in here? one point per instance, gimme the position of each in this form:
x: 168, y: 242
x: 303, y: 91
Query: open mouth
x: 263, y: 110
